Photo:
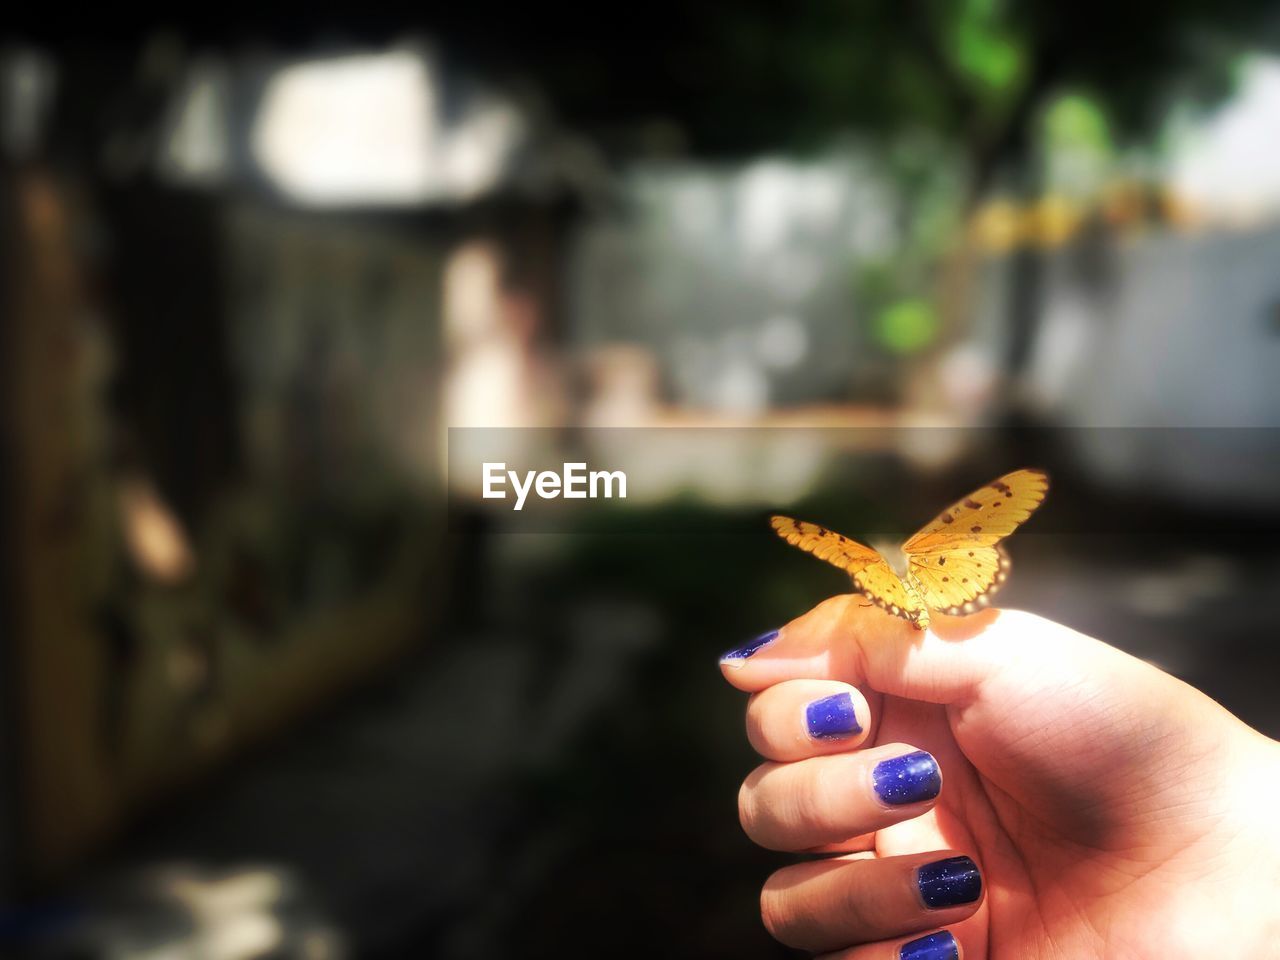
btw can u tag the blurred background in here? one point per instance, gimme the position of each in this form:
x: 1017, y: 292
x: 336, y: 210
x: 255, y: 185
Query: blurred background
x: 274, y: 687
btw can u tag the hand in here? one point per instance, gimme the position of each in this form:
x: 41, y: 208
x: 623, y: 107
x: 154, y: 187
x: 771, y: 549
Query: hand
x: 1107, y: 808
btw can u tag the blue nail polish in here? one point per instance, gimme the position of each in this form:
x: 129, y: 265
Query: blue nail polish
x: 752, y: 648
x: 936, y: 946
x: 949, y: 883
x: 832, y: 717
x: 907, y: 779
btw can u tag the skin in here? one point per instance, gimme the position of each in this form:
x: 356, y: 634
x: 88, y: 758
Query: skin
x: 1113, y: 810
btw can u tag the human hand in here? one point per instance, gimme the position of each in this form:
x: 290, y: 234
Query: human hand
x: 1108, y: 809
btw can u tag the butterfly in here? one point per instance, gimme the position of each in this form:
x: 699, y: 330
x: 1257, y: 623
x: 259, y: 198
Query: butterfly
x: 951, y: 565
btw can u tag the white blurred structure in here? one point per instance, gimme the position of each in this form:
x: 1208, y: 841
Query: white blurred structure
x: 393, y: 127
x: 373, y: 129
x: 1179, y: 346
x: 1225, y: 165
x: 740, y: 278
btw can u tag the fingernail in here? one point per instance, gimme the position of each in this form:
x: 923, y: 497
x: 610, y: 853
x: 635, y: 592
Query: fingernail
x: 907, y: 779
x: 832, y: 717
x: 749, y: 649
x: 949, y: 883
x: 936, y: 946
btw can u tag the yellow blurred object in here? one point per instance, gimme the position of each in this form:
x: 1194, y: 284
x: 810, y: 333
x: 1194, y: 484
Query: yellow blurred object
x: 1178, y: 211
x: 1052, y: 221
x: 1001, y: 225
x: 997, y: 227
x: 154, y: 536
x: 1124, y: 204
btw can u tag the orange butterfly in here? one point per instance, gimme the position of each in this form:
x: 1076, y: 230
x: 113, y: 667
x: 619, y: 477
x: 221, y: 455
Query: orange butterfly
x: 952, y: 565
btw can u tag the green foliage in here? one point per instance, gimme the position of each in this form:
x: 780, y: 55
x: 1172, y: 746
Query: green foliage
x: 755, y: 75
x: 907, y: 326
x: 985, y: 51
x: 1076, y: 121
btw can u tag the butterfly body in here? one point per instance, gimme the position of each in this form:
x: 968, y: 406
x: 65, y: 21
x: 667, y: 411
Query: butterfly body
x: 893, y: 554
x: 953, y: 565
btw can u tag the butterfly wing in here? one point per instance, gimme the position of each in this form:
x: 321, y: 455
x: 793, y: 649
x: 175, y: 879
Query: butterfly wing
x: 960, y: 580
x: 872, y: 576
x: 955, y: 562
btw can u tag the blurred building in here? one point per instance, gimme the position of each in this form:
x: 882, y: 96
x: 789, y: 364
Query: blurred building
x: 245, y: 292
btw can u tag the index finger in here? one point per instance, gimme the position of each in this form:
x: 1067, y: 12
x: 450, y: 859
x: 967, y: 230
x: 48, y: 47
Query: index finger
x: 844, y: 639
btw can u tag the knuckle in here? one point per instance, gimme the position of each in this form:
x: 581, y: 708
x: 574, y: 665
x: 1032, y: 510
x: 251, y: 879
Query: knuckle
x: 1021, y: 624
x: 773, y: 910
x: 834, y: 608
x: 792, y: 806
x: 747, y: 808
x: 756, y: 724
x: 856, y: 908
x: 812, y: 809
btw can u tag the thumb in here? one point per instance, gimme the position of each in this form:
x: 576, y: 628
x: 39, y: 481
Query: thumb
x: 845, y: 639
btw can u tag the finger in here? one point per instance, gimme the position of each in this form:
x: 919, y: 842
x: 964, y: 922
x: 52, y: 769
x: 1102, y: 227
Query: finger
x: 862, y: 843
x: 827, y: 904
x: 824, y: 800
x: 941, y: 945
x: 842, y: 639
x: 807, y: 718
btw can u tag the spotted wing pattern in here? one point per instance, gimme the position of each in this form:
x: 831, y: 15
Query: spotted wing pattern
x: 955, y: 562
x: 983, y: 518
x: 872, y: 576
x: 959, y: 581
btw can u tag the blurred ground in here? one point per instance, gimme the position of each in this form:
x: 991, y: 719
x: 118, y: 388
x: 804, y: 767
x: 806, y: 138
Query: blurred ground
x: 566, y: 776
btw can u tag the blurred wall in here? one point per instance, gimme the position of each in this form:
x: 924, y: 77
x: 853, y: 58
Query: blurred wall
x: 223, y: 424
